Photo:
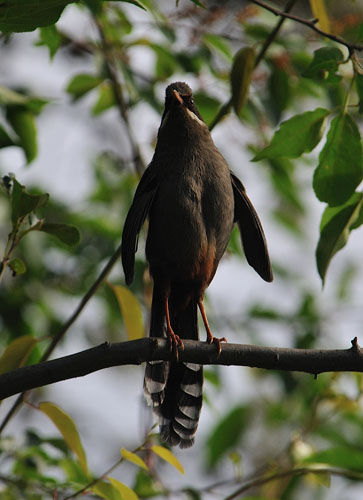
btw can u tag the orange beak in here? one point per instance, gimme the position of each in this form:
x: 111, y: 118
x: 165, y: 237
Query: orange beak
x: 177, y: 96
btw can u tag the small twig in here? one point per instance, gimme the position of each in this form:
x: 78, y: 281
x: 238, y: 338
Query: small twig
x: 117, y: 89
x: 311, y: 24
x: 226, y: 107
x: 105, y: 474
x: 299, y: 471
x: 273, y: 33
x: 312, y: 361
x: 94, y: 481
x: 58, y: 337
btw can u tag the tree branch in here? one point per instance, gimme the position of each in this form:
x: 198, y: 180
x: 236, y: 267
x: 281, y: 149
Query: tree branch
x: 135, y: 352
x: 311, y: 24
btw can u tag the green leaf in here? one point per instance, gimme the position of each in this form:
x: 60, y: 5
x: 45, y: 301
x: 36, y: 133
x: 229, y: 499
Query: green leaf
x: 26, y: 15
x: 68, y: 429
x: 359, y: 86
x: 125, y: 492
x: 227, y: 433
x: 35, y: 104
x: 81, y: 84
x: 218, y: 42
x: 241, y: 75
x: 135, y: 2
x: 146, y: 486
x: 325, y: 64
x: 207, y: 106
x: 24, y: 203
x: 340, y: 456
x: 359, y: 32
x: 283, y: 180
x: 133, y: 458
x: 49, y: 36
x: 4, y: 138
x: 336, y: 224
x: 168, y: 456
x: 16, y: 353
x: 166, y: 63
x: 17, y: 266
x: 279, y: 90
x: 130, y: 310
x: 300, y: 134
x: 30, y: 202
x: 213, y: 377
x: 73, y: 470
x: 106, y: 491
x: 198, y: 3
x: 66, y: 233
x: 106, y: 99
x: 340, y: 168
x: 23, y: 123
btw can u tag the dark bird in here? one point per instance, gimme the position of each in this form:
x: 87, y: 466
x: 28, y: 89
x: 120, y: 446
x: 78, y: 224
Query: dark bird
x: 192, y: 200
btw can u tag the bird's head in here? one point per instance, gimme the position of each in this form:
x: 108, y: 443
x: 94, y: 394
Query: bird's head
x: 180, y: 107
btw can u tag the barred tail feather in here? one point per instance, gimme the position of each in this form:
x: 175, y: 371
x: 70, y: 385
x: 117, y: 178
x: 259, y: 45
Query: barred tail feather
x: 180, y: 411
x: 156, y: 376
x: 173, y: 388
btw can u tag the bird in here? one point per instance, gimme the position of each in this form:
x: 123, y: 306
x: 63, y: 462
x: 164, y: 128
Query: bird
x: 192, y: 200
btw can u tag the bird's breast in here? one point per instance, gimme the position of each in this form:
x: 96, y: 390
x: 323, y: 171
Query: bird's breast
x: 190, y: 223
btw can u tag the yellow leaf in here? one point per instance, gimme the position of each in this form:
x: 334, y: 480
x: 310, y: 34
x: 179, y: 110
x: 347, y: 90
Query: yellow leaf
x: 131, y: 312
x: 106, y: 491
x: 132, y: 457
x: 167, y: 455
x: 16, y: 353
x: 319, y: 12
x: 68, y: 429
x: 125, y: 492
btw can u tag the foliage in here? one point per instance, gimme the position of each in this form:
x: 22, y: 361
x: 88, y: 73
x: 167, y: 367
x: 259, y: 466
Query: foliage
x: 301, y: 97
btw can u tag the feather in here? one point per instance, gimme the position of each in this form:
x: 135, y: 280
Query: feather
x: 252, y: 235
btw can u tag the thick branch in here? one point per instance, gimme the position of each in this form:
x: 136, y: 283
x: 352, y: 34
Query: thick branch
x: 310, y: 24
x: 312, y: 361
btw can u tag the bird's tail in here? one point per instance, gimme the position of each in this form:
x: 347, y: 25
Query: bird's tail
x: 175, y: 388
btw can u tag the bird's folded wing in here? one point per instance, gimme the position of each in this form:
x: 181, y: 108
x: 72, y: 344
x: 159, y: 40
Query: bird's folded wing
x: 252, y: 235
x: 138, y: 212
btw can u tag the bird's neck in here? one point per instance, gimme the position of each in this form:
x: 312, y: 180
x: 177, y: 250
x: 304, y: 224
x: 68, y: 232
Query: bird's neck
x: 182, y: 139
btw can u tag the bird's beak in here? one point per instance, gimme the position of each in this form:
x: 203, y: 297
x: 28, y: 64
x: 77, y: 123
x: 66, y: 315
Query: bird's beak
x: 177, y: 96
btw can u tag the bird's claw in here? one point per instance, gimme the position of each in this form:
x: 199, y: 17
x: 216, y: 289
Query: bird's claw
x: 175, y: 342
x: 217, y: 342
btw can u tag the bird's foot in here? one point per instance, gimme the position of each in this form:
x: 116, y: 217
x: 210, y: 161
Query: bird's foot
x: 210, y: 338
x: 175, y: 342
x: 217, y: 342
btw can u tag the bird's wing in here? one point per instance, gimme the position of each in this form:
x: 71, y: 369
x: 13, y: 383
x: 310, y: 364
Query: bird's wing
x: 138, y: 212
x: 252, y: 235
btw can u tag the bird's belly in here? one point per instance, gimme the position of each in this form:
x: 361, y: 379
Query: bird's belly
x: 182, y: 242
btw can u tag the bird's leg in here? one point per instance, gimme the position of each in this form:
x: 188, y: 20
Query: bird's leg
x: 174, y: 339
x: 210, y: 338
